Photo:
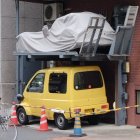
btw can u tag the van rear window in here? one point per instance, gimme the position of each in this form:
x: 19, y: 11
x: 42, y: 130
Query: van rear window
x: 87, y: 80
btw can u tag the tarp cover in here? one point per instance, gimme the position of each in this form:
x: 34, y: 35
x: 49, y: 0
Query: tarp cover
x: 66, y: 33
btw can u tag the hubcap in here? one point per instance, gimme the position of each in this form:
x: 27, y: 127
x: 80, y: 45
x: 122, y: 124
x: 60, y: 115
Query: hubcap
x: 60, y: 121
x: 21, y: 116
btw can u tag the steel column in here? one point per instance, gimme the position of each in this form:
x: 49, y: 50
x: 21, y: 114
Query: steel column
x: 120, y: 116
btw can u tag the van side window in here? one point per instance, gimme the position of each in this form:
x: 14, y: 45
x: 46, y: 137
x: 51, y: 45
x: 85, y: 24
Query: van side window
x: 87, y: 80
x: 37, y: 84
x: 58, y: 83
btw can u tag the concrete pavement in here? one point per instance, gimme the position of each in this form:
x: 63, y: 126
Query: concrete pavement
x: 98, y: 132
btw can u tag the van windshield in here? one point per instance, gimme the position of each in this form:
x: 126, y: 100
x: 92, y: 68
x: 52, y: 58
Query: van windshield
x: 87, y: 80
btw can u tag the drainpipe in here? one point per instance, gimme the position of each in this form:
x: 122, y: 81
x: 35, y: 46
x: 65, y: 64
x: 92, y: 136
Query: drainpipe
x: 18, y: 90
x: 17, y: 16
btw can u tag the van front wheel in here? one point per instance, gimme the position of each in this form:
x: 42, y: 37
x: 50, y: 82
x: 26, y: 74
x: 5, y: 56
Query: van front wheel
x: 60, y: 121
x: 22, y: 117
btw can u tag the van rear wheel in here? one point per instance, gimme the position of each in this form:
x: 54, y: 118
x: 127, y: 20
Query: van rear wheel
x: 60, y: 121
x: 22, y: 116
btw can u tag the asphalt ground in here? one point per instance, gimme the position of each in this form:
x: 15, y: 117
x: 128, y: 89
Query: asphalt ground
x: 98, y: 132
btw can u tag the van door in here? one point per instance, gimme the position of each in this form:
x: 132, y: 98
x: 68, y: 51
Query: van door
x: 57, y: 96
x: 35, y: 91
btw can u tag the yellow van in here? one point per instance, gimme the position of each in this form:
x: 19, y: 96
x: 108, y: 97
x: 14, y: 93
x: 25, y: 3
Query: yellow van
x: 61, y: 90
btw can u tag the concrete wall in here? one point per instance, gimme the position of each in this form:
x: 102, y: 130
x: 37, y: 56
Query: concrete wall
x: 104, y: 7
x: 30, y: 20
x: 0, y: 50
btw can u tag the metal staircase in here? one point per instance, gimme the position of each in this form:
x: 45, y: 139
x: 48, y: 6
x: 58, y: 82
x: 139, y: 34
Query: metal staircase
x: 121, y: 44
x: 131, y: 15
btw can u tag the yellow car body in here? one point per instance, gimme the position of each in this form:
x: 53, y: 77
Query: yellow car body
x: 81, y: 87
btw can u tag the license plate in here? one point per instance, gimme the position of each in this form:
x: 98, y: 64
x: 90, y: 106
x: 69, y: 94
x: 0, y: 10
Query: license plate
x: 89, y: 111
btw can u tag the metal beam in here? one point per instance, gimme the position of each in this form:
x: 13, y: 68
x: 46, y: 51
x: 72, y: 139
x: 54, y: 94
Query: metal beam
x: 120, y: 116
x: 17, y: 74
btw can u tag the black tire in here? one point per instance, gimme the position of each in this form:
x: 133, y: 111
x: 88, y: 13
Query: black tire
x: 22, y: 116
x: 60, y: 121
x: 93, y: 120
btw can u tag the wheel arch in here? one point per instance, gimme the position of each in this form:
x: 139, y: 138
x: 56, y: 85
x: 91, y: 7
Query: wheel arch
x: 27, y: 109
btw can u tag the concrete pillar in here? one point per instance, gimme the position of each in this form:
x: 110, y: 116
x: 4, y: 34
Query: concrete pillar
x: 30, y: 20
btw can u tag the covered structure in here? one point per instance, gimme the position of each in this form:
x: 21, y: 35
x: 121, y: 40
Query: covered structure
x: 113, y: 64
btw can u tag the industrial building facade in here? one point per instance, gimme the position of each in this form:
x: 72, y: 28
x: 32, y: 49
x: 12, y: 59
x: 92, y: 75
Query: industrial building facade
x: 31, y: 19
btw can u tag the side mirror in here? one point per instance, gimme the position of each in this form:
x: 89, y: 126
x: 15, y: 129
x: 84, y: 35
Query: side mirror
x: 20, y: 97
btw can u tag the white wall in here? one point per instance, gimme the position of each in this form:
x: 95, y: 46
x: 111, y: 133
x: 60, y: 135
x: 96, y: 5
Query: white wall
x: 30, y: 20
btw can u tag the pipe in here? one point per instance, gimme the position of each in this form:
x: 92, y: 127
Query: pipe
x: 17, y: 17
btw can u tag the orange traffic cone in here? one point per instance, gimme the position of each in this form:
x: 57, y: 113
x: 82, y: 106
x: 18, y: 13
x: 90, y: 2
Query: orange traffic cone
x: 13, y: 118
x: 43, y: 121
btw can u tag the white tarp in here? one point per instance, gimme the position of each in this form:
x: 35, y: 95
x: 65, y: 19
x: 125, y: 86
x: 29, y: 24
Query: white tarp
x: 66, y: 33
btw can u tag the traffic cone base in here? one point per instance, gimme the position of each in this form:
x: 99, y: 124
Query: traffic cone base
x: 11, y: 124
x: 44, y: 126
x: 45, y: 129
x: 81, y: 135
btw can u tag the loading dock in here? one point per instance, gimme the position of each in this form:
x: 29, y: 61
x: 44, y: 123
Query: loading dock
x: 113, y: 58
